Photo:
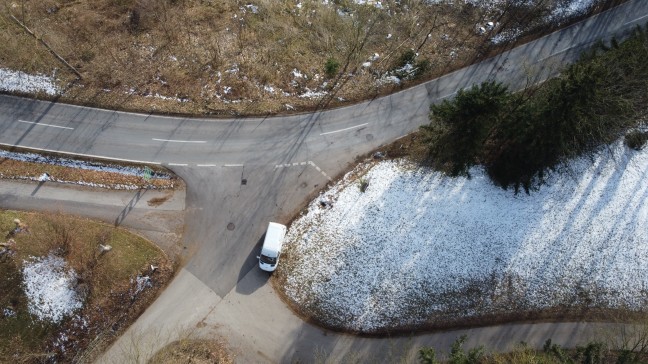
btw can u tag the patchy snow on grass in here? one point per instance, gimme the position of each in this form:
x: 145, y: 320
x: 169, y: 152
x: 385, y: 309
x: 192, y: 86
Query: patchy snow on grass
x: 570, y: 9
x: 17, y: 81
x: 419, y: 247
x: 80, y: 164
x: 310, y: 94
x: 507, y: 35
x: 75, y: 163
x: 49, y: 286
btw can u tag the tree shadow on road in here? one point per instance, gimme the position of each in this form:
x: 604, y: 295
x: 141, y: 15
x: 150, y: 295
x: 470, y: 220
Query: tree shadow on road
x: 130, y: 206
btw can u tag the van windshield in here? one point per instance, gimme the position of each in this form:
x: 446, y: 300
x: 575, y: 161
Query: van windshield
x: 268, y: 260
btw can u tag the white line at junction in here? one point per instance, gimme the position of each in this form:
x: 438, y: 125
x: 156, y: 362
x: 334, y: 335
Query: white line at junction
x: 41, y: 124
x: 345, y: 129
x: 179, y: 141
x: 303, y: 164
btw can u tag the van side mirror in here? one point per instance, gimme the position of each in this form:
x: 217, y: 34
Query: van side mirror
x: 258, y: 257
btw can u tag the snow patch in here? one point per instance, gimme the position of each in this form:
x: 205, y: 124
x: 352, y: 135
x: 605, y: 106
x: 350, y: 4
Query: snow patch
x: 49, y: 286
x: 310, y: 94
x: 17, y: 81
x: 297, y: 74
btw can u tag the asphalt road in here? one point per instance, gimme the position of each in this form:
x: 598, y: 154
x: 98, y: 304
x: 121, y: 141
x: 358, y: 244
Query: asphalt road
x: 242, y: 172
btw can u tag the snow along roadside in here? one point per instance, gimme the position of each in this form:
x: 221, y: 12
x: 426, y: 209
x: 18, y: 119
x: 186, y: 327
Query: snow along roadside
x: 140, y: 172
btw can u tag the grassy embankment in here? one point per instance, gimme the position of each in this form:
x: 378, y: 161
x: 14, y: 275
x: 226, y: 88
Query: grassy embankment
x: 229, y: 57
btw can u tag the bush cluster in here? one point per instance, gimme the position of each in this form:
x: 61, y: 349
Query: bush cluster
x: 518, y: 137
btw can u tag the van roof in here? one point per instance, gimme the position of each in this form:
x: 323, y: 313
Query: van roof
x: 274, y: 237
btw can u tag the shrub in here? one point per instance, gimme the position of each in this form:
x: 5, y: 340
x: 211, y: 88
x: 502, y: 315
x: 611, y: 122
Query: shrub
x: 427, y: 355
x: 363, y: 185
x: 408, y: 57
x: 331, y: 67
x: 636, y: 139
x: 460, y: 128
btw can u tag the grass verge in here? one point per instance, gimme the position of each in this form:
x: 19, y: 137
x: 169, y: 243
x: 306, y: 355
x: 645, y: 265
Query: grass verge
x: 106, y: 283
x: 106, y: 175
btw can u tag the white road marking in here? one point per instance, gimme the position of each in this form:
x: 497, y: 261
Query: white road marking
x: 82, y: 154
x: 206, y: 165
x: 560, y: 51
x: 179, y: 141
x: 632, y: 21
x: 232, y: 165
x: 41, y: 124
x: 320, y: 170
x: 448, y: 95
x: 555, y: 53
x: 178, y: 164
x: 303, y: 164
x: 345, y: 129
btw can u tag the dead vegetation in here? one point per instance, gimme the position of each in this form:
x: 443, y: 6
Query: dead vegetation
x: 193, y: 351
x: 23, y: 170
x: 257, y: 57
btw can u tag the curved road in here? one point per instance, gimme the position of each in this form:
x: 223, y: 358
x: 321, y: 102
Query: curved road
x: 241, y: 173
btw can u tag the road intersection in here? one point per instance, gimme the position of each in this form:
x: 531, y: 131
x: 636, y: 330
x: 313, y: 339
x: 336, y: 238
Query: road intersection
x: 242, y: 172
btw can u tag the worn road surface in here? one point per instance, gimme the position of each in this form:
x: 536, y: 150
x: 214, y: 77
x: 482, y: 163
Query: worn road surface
x: 241, y: 173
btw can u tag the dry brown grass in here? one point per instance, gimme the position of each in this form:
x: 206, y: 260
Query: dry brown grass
x: 128, y: 50
x: 193, y: 351
x: 12, y: 169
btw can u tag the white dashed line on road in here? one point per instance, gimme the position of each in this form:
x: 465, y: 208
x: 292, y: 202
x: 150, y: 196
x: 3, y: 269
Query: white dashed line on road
x: 205, y: 165
x: 345, y: 129
x: 178, y: 164
x: 179, y: 141
x: 232, y: 165
x: 41, y: 124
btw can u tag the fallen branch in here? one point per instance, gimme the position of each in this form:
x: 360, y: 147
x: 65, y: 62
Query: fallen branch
x: 74, y: 70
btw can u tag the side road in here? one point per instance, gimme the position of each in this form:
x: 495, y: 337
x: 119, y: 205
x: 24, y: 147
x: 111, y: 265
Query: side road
x: 260, y: 328
x: 157, y: 215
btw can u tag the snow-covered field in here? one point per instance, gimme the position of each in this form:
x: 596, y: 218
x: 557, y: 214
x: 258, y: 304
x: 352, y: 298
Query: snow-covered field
x: 419, y: 248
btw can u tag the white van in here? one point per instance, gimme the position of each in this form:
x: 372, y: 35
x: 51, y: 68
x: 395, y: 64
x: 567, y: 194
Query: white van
x: 271, y: 249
